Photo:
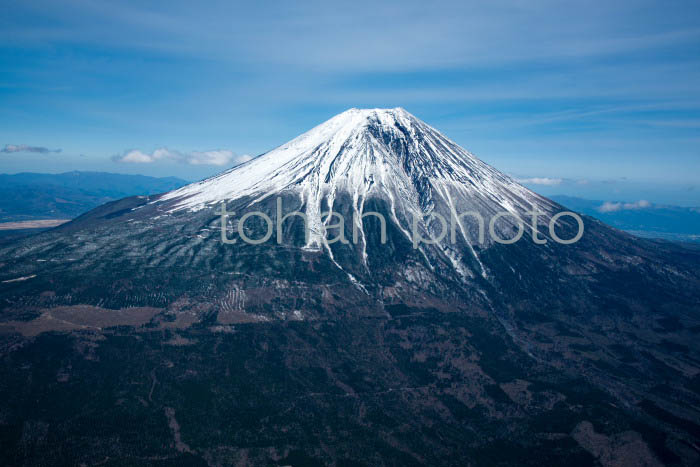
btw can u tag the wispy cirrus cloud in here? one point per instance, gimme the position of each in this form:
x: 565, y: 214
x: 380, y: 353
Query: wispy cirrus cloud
x: 519, y: 83
x: 12, y: 148
x: 615, y: 207
x: 217, y: 157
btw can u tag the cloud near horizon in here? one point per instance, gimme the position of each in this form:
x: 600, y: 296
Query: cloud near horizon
x: 12, y: 148
x: 615, y: 207
x: 218, y: 157
x: 541, y: 181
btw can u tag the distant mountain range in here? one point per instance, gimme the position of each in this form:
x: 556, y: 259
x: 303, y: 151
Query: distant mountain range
x: 30, y: 196
x: 35, y: 196
x: 649, y: 220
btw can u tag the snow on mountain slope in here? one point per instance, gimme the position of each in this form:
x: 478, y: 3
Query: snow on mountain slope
x: 384, y: 153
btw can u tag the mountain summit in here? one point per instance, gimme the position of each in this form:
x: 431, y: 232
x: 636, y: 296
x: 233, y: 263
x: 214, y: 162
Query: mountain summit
x: 415, y: 343
x: 367, y: 152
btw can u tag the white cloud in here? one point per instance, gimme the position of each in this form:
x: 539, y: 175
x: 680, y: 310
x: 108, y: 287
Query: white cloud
x: 610, y: 207
x: 541, y: 181
x: 218, y: 157
x: 614, y: 207
x: 137, y: 157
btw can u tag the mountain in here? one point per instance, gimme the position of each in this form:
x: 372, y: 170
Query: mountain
x: 135, y: 332
x: 29, y: 196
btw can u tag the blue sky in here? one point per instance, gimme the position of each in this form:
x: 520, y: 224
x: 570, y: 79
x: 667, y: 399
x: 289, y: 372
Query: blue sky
x: 575, y: 95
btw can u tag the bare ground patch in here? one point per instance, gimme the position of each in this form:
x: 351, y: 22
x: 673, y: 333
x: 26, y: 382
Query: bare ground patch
x: 37, y: 224
x: 71, y: 318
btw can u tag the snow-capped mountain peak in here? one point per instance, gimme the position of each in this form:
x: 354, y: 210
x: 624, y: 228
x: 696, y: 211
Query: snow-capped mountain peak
x: 383, y: 152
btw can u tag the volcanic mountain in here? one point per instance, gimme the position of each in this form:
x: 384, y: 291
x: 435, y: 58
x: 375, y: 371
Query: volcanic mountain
x: 386, y: 157
x: 414, y: 342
